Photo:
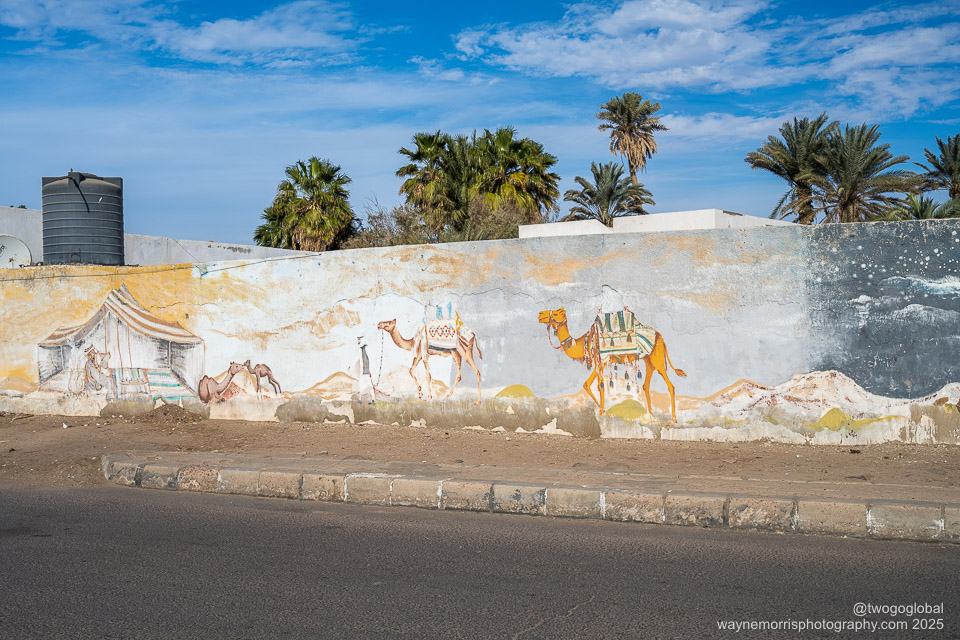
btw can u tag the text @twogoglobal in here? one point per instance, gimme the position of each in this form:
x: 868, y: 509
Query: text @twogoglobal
x: 868, y: 617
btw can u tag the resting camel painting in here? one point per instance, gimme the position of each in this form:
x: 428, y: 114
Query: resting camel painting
x: 210, y: 390
x: 614, y: 338
x: 437, y: 338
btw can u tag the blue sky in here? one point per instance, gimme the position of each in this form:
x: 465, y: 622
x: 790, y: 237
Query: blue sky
x: 199, y: 106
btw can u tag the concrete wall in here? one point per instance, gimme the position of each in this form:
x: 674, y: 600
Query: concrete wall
x: 830, y: 334
x: 27, y: 224
x: 156, y: 250
x: 657, y: 222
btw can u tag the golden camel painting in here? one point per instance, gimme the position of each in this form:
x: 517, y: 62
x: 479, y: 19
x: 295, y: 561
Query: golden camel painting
x: 437, y: 338
x: 602, y: 345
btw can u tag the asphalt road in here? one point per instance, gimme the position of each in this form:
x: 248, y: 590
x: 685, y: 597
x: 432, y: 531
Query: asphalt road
x: 129, y: 563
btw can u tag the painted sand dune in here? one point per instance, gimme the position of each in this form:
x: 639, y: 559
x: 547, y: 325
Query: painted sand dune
x: 338, y: 386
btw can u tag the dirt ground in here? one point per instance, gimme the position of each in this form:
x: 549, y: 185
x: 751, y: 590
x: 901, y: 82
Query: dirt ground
x: 38, y: 450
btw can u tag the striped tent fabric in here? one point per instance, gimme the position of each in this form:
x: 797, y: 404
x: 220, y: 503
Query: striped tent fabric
x: 137, y: 342
x: 121, y: 303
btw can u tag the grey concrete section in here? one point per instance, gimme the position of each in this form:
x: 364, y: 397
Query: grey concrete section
x: 106, y: 463
x: 466, y: 495
x: 694, y: 509
x: 951, y: 523
x: 519, y: 498
x: 27, y: 225
x: 198, y: 478
x: 158, y: 250
x: 367, y: 488
x: 415, y: 492
x: 239, y: 481
x: 660, y: 222
x: 324, y: 487
x: 574, y: 502
x: 835, y: 517
x: 537, y: 492
x: 633, y: 506
x: 768, y: 514
x: 911, y: 521
x: 125, y: 472
x: 159, y: 475
x: 279, y: 484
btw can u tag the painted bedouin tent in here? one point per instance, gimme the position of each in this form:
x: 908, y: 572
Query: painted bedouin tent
x: 138, y: 352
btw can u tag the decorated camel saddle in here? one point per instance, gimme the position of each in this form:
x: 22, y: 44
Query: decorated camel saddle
x: 621, y: 333
x: 444, y: 334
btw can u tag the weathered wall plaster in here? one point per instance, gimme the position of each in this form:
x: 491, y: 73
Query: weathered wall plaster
x: 831, y: 334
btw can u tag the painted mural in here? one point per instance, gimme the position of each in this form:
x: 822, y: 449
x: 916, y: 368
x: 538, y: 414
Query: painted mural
x: 615, y: 339
x: 834, y: 334
x: 438, y: 337
x: 122, y: 352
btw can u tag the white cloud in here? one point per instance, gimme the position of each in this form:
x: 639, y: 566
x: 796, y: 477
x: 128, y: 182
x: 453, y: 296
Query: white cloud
x: 661, y: 45
x: 298, y: 31
x: 873, y: 18
x: 49, y: 20
x: 719, y: 127
x: 294, y: 33
x: 654, y: 43
x: 908, y: 47
x: 637, y: 15
x: 432, y: 68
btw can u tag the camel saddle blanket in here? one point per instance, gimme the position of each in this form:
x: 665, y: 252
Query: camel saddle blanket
x: 622, y: 334
x: 443, y: 335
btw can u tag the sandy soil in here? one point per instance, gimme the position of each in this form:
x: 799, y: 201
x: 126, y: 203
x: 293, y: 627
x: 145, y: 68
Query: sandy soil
x: 38, y: 450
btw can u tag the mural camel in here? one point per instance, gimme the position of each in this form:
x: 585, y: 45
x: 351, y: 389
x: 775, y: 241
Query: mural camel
x: 209, y: 390
x: 263, y: 371
x: 422, y: 350
x: 586, y: 349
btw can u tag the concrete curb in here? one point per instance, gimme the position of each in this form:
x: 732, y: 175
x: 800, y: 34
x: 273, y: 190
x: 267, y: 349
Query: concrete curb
x: 877, y: 519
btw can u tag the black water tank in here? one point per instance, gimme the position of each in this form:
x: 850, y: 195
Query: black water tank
x: 83, y: 219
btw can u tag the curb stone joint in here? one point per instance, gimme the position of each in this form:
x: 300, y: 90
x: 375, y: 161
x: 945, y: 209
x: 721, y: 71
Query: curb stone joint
x: 878, y: 519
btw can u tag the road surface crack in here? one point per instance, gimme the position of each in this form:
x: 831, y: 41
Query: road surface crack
x: 566, y: 615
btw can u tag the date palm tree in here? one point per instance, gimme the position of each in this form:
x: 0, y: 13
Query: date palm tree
x: 921, y: 208
x: 610, y: 195
x: 794, y: 157
x: 631, y: 122
x: 311, y: 211
x: 944, y: 170
x: 858, y: 180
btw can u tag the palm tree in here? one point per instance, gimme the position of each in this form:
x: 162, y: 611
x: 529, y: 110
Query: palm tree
x: 611, y: 195
x: 516, y: 172
x: 447, y: 173
x: 794, y: 158
x: 631, y: 123
x: 311, y: 211
x: 921, y: 208
x: 439, y: 174
x: 273, y: 232
x: 944, y: 171
x: 423, y: 186
x: 858, y: 176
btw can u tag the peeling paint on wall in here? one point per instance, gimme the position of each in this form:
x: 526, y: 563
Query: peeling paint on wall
x: 831, y: 334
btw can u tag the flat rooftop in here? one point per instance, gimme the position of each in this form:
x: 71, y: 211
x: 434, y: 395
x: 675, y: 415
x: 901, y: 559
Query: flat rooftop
x: 694, y: 220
